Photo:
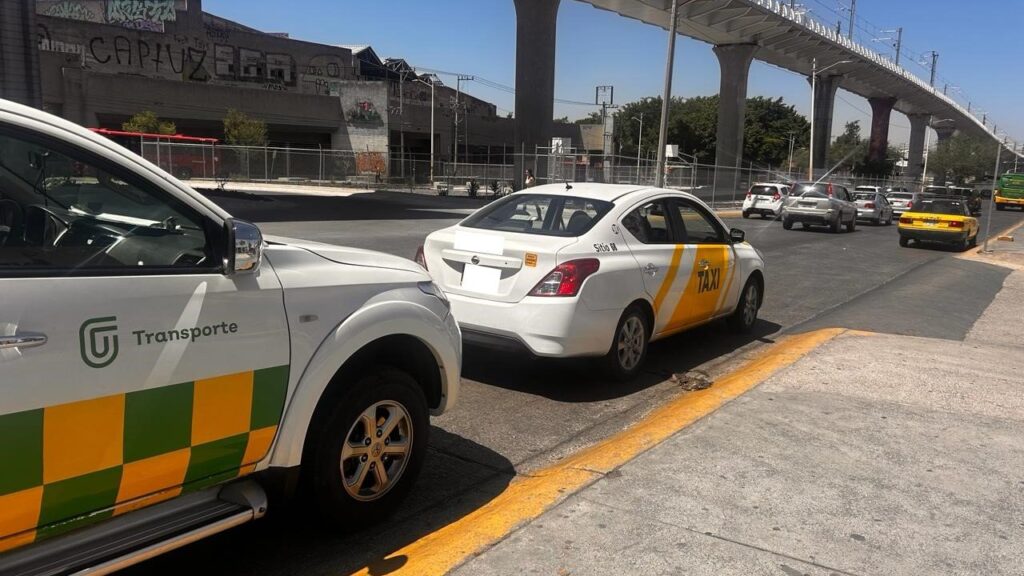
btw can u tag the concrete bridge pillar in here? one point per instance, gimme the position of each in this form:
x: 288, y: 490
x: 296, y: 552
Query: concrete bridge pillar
x: 535, y: 82
x: 19, y: 53
x: 915, y: 151
x: 944, y: 131
x: 734, y: 62
x: 824, y: 107
x: 881, y: 111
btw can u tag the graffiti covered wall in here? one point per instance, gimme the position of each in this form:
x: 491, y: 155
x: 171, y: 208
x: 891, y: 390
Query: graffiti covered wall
x: 157, y: 39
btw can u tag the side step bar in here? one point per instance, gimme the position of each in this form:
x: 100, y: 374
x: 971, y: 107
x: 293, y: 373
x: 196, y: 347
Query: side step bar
x: 138, y: 536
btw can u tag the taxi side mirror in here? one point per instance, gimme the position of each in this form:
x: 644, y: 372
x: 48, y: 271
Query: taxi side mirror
x: 244, y: 249
x: 736, y: 235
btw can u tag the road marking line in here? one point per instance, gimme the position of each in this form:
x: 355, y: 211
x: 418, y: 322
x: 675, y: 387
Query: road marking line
x: 526, y: 498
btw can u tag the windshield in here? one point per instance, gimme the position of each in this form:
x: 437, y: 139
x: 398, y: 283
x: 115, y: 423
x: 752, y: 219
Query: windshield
x: 764, y: 190
x: 542, y: 214
x: 942, y: 206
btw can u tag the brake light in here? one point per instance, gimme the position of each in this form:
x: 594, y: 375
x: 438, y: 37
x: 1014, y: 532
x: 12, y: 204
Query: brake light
x: 906, y: 220
x: 420, y: 258
x: 749, y: 195
x: 870, y: 205
x: 566, y: 278
x: 955, y: 224
x: 910, y: 204
x: 776, y: 197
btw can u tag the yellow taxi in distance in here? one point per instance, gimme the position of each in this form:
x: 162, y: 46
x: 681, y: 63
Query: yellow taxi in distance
x: 939, y: 219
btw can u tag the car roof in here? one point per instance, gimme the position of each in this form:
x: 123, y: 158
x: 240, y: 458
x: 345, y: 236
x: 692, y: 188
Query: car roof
x: 596, y: 191
x: 769, y: 184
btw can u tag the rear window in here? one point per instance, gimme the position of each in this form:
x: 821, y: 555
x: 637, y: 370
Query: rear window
x: 764, y: 190
x: 866, y: 189
x: 941, y: 207
x: 864, y: 196
x: 936, y: 190
x: 812, y: 190
x: 541, y: 214
x: 901, y: 196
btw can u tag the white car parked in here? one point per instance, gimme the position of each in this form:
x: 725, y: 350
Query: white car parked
x: 766, y: 199
x: 163, y: 367
x: 594, y: 270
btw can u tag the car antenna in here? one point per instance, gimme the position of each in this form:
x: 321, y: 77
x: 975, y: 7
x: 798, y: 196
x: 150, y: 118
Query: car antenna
x: 568, y: 186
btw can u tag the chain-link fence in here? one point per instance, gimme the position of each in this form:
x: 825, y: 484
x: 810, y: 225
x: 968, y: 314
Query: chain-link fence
x: 328, y: 167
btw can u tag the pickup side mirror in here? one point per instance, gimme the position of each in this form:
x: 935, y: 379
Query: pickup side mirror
x: 244, y: 248
x: 736, y: 235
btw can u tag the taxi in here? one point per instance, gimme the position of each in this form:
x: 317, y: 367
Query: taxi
x: 593, y: 270
x: 943, y: 220
x: 164, y: 367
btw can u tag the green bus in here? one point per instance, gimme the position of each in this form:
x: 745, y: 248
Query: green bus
x: 1010, y: 191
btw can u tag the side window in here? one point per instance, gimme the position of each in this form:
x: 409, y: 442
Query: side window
x: 62, y: 211
x: 697, y: 226
x: 649, y: 223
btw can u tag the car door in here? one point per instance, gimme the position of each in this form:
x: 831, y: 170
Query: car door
x: 883, y: 203
x: 131, y: 367
x: 705, y: 293
x: 664, y: 263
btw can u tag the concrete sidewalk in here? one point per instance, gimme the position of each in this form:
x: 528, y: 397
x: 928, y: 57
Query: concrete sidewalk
x: 873, y: 454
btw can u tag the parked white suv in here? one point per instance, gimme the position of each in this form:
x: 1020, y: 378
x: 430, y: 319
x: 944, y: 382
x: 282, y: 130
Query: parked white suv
x: 164, y: 367
x: 766, y: 199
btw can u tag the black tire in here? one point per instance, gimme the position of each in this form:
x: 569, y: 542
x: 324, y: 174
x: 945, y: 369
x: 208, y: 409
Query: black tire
x: 330, y: 499
x: 852, y: 224
x: 974, y: 241
x: 787, y: 224
x: 746, y: 214
x: 876, y: 222
x: 743, y: 319
x: 805, y: 225
x: 888, y: 221
x: 836, y: 225
x: 1000, y: 207
x: 624, y: 367
x: 764, y: 216
x: 904, y: 241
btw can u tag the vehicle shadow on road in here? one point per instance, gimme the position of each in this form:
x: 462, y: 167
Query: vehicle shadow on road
x: 288, y: 542
x: 371, y: 206
x: 582, y: 380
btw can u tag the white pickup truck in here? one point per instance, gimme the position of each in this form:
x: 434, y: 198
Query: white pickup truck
x: 165, y: 370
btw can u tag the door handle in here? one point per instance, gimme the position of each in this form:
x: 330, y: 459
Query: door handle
x: 22, y: 341
x: 651, y: 269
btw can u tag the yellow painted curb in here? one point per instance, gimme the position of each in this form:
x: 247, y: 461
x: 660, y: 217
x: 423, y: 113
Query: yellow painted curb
x: 528, y: 497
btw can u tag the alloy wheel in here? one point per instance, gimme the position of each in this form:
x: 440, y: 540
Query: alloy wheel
x: 630, y: 345
x: 376, y: 450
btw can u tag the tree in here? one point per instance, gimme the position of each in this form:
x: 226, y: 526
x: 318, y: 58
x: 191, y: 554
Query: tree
x: 848, y: 150
x: 562, y: 120
x: 242, y: 130
x: 693, y: 125
x: 147, y: 123
x: 592, y: 118
x: 961, y: 158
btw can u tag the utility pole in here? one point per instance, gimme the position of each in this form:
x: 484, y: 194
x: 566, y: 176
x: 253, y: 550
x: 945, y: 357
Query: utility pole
x: 604, y: 96
x: 935, y: 63
x: 899, y: 44
x: 659, y: 177
x: 995, y: 183
x: 853, y: 16
x: 458, y: 91
x: 639, y: 143
x: 789, y: 166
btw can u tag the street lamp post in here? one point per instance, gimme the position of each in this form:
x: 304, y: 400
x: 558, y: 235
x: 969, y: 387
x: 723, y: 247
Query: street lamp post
x: 666, y: 97
x: 814, y: 92
x: 991, y: 206
x: 639, y: 142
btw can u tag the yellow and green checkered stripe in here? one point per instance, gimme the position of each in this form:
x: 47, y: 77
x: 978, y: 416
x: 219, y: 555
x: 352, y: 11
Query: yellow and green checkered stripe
x: 78, y: 463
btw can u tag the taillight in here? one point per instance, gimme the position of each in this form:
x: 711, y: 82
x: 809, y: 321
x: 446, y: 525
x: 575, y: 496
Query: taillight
x: 955, y: 224
x: 910, y: 204
x: 870, y: 205
x: 420, y: 258
x: 906, y: 220
x: 749, y: 195
x: 776, y: 197
x: 566, y: 278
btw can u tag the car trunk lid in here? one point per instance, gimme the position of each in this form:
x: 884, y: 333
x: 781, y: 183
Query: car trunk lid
x: 498, y: 266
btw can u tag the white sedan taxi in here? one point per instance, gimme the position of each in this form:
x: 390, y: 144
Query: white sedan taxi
x: 596, y: 270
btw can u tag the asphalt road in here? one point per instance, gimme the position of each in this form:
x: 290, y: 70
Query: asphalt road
x: 517, y: 414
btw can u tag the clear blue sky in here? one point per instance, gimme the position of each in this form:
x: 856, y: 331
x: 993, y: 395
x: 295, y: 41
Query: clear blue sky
x: 979, y: 45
